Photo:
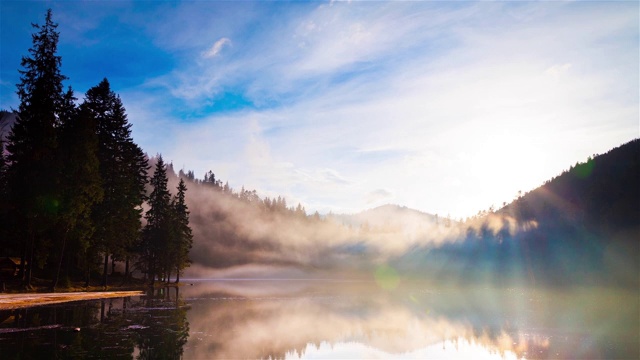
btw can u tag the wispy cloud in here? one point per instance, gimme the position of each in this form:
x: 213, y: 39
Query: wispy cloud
x: 451, y: 107
x: 216, y: 48
x: 379, y: 196
x: 458, y: 108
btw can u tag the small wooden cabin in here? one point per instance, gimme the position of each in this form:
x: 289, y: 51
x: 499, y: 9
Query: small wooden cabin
x: 9, y: 267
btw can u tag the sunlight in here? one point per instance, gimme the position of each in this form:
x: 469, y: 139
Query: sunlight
x: 460, y: 348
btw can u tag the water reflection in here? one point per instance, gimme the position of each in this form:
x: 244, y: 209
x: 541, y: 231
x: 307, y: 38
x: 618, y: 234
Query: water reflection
x: 329, y: 319
x: 154, y: 326
x: 297, y: 319
x: 456, y: 349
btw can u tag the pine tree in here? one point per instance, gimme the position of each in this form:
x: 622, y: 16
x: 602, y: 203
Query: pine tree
x: 80, y: 182
x: 32, y: 147
x: 3, y: 167
x: 182, y: 238
x: 123, y: 169
x: 210, y: 179
x: 4, y: 204
x: 157, y: 234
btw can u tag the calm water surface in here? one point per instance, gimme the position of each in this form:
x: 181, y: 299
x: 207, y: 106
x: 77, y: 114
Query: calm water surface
x: 331, y: 319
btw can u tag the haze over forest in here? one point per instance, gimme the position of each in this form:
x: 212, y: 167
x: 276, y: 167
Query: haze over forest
x: 516, y: 166
x: 580, y: 227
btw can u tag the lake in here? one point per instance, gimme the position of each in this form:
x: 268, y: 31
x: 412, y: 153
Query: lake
x: 331, y: 319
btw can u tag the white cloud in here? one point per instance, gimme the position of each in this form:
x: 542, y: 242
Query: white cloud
x: 216, y: 48
x: 448, y: 108
x: 378, y: 197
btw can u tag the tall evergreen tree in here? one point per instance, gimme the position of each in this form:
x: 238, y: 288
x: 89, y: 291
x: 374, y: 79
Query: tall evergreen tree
x: 3, y: 168
x: 4, y: 203
x: 80, y: 182
x: 123, y: 169
x: 182, y: 237
x: 157, y: 234
x: 32, y: 147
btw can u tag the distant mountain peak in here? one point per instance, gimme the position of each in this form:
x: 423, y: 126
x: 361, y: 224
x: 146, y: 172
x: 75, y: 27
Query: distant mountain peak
x: 387, y: 214
x: 7, y: 119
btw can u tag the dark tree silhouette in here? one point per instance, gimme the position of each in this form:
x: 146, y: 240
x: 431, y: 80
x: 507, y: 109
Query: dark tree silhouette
x: 32, y: 147
x: 182, y: 237
x: 123, y: 169
x: 80, y: 182
x: 156, y: 236
x: 73, y: 183
x: 4, y: 203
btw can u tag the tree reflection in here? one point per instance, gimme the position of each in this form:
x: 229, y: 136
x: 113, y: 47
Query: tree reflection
x: 282, y: 319
x: 237, y: 320
x: 150, y: 327
x: 165, y: 333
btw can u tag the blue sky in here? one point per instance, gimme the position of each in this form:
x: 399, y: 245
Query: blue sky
x: 446, y: 107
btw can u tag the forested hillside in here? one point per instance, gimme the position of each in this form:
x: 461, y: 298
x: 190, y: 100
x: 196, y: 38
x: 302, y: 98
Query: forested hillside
x: 602, y: 194
x: 579, y: 227
x: 582, y: 227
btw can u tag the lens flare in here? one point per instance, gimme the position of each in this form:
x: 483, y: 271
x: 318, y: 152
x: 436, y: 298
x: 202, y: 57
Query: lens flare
x: 387, y: 277
x: 583, y: 170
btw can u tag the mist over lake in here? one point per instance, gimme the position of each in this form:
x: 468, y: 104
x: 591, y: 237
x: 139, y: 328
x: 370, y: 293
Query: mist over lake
x: 294, y: 319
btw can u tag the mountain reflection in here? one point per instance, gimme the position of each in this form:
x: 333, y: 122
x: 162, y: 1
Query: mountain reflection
x: 331, y: 319
x: 297, y: 319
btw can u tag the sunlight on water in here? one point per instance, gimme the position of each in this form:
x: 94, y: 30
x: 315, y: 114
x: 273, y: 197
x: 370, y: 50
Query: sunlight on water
x: 299, y: 319
x: 363, y: 320
x: 457, y: 349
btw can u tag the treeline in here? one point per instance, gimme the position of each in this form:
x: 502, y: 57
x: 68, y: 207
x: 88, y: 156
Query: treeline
x: 72, y: 182
x: 267, y: 204
x: 234, y: 227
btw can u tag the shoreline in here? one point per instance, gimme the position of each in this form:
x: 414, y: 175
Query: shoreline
x: 14, y: 297
x: 27, y: 300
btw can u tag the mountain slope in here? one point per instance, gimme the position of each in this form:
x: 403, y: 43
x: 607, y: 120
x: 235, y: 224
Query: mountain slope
x: 602, y: 194
x: 581, y: 227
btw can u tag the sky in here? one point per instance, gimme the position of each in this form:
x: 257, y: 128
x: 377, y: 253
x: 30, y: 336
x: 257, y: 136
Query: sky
x: 445, y: 107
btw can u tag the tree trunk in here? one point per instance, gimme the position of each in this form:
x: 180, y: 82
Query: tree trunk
x: 152, y: 276
x: 23, y: 260
x: 106, y: 269
x: 27, y: 281
x: 177, y: 275
x: 57, y: 275
x: 126, y: 268
x: 67, y: 265
x: 87, y: 270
